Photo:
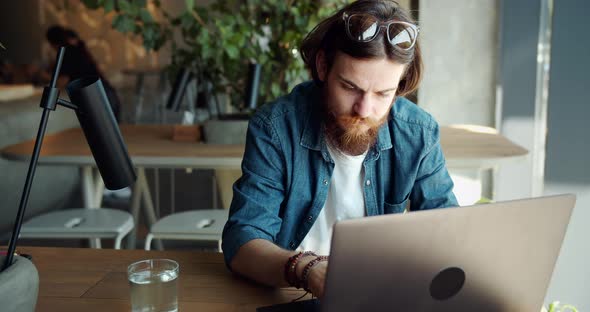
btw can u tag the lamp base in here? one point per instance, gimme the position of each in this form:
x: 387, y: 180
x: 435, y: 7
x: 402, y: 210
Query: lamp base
x: 19, y: 285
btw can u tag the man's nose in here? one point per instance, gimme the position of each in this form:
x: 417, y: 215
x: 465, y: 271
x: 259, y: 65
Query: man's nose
x: 363, y: 106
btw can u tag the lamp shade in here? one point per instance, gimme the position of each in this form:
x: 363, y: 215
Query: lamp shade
x: 183, y: 77
x: 102, y: 133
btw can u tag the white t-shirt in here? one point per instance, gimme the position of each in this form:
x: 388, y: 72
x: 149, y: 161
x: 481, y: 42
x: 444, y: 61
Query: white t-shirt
x: 345, y: 201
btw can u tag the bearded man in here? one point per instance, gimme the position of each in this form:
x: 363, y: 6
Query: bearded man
x: 345, y: 145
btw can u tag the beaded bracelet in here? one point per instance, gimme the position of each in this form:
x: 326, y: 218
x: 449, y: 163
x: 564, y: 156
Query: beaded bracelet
x: 307, y: 269
x: 290, y: 268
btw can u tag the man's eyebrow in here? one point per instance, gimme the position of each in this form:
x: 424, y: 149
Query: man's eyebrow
x: 387, y: 90
x: 357, y: 87
x: 350, y: 82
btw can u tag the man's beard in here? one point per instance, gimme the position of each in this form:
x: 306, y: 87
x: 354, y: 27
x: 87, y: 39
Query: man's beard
x: 346, y: 134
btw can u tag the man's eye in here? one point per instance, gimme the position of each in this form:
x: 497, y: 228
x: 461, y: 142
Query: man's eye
x: 384, y: 95
x: 348, y: 87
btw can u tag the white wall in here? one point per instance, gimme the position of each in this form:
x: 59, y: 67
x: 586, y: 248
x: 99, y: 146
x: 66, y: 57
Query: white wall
x: 459, y: 41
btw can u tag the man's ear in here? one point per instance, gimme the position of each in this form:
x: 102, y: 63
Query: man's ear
x: 401, y: 86
x: 321, y: 66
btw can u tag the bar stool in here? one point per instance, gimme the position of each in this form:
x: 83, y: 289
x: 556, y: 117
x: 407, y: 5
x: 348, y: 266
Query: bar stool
x: 80, y: 223
x: 201, y: 225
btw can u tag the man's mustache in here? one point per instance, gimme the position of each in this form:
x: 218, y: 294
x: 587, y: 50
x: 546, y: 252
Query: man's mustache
x: 351, y: 121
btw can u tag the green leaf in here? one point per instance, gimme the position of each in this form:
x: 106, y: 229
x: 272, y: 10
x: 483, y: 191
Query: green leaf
x: 109, y: 5
x: 145, y: 16
x: 203, y: 38
x: 187, y: 20
x: 205, y: 52
x: 557, y: 307
x: 129, y: 7
x: 149, y: 34
x: 124, y: 23
x: 91, y: 4
x: 232, y: 51
x: 275, y: 89
x: 124, y: 5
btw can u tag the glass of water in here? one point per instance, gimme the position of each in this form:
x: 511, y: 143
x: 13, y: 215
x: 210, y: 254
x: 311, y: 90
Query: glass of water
x: 154, y: 285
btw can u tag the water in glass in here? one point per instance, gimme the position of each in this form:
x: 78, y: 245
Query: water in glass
x: 153, y: 290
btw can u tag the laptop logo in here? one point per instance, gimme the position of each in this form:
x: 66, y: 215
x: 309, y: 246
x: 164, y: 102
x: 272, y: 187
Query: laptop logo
x: 447, y: 283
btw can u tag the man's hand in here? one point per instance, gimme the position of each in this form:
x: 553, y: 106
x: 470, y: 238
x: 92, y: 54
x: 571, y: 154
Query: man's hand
x: 317, y: 279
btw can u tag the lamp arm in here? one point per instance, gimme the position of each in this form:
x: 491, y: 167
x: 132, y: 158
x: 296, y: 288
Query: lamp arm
x: 58, y: 61
x: 67, y: 104
x: 49, y: 95
x: 27, y: 189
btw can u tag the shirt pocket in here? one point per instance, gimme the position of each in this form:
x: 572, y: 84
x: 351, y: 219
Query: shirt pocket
x: 396, y: 208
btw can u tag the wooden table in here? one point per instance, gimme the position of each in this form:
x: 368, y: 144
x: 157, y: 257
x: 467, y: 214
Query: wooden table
x: 148, y: 145
x: 74, y: 279
x: 151, y: 146
x: 467, y: 146
x: 89, y: 280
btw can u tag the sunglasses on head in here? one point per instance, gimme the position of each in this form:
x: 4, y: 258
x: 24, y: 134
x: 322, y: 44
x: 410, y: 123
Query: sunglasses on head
x: 363, y: 27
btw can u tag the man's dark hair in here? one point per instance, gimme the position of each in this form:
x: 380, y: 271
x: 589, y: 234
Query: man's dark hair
x: 330, y: 37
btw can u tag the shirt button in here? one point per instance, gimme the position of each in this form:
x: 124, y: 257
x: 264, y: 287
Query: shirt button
x: 325, y: 182
x: 368, y: 182
x: 292, y: 245
x: 309, y: 218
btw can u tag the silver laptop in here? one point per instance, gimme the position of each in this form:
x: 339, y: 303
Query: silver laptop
x: 492, y: 257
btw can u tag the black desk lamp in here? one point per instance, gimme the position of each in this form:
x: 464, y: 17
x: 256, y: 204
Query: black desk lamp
x: 98, y: 122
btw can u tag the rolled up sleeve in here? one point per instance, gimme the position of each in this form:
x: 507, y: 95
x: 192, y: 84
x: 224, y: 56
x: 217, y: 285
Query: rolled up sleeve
x: 258, y: 194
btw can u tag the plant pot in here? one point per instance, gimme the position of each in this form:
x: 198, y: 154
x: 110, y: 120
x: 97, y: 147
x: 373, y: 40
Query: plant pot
x: 225, y: 131
x: 19, y: 286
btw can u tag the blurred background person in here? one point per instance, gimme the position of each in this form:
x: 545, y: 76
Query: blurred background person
x: 78, y: 62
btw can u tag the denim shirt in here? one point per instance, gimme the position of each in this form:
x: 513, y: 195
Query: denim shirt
x: 286, y: 170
